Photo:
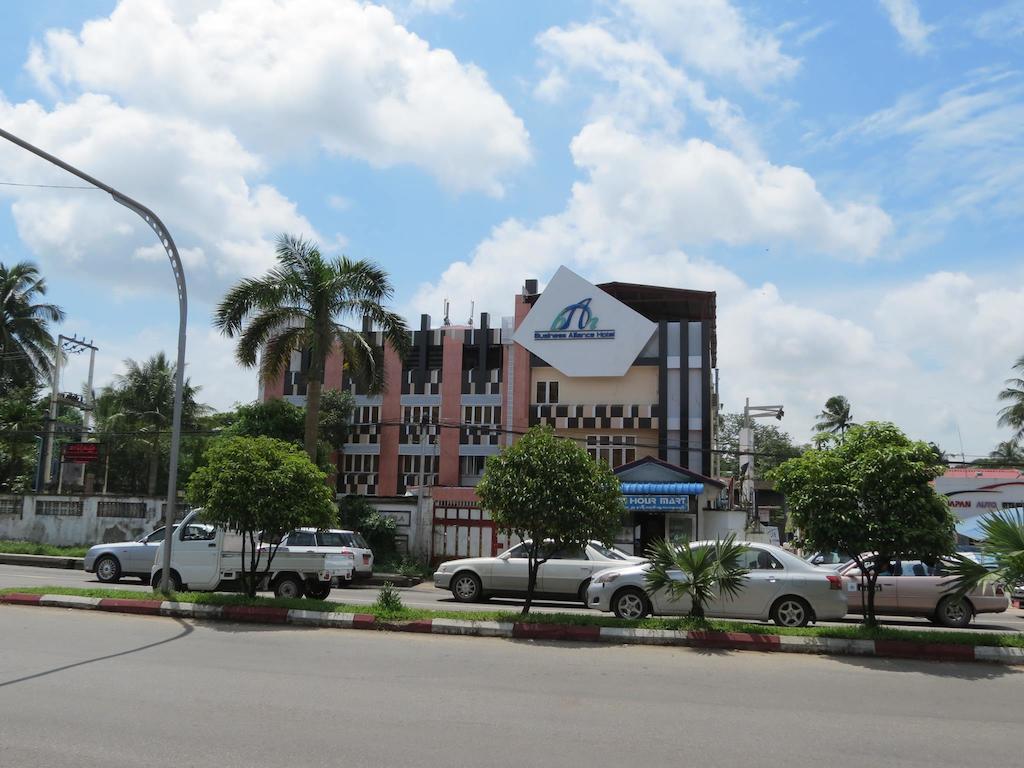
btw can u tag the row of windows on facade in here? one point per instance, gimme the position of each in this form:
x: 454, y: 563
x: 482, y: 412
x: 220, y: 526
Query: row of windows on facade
x: 614, y: 450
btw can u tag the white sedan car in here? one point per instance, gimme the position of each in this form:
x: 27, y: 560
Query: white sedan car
x: 780, y: 586
x: 564, y: 576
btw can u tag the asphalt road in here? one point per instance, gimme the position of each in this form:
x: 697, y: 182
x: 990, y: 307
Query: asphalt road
x: 104, y: 690
x: 426, y: 596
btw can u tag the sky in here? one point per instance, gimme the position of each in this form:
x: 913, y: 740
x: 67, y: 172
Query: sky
x: 848, y: 177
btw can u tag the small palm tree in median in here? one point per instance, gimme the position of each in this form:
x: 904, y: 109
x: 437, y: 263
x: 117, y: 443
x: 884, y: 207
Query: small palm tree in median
x: 701, y: 573
x: 1002, y: 549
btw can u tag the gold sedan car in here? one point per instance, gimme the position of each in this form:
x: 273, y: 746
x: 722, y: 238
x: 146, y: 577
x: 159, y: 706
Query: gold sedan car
x: 914, y: 588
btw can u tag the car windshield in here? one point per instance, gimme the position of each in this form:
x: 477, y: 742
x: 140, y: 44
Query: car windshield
x: 611, y: 553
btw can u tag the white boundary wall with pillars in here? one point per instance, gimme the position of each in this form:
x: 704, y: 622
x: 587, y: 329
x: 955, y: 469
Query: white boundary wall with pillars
x: 73, y: 520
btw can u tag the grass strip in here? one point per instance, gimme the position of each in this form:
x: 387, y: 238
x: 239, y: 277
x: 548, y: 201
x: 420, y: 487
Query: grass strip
x: 8, y: 547
x: 852, y: 632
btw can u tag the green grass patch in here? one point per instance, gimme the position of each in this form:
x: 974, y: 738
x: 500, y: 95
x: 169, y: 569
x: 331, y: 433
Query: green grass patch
x: 8, y: 547
x: 850, y: 632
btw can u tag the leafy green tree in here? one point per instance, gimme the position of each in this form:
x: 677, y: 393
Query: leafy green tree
x: 26, y: 346
x: 335, y: 417
x: 295, y: 306
x: 835, y: 418
x: 1003, y: 548
x: 258, y: 484
x: 708, y: 571
x: 136, y: 410
x: 771, y: 444
x: 275, y: 418
x: 1012, y: 414
x: 22, y: 419
x: 552, y: 495
x: 869, y: 493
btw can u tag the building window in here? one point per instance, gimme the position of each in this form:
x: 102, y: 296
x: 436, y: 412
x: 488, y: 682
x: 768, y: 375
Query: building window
x: 472, y: 466
x: 547, y: 392
x: 614, y: 450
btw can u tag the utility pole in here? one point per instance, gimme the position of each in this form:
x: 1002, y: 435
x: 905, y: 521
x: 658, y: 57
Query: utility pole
x: 154, y: 223
x: 751, y: 412
x: 51, y: 421
x: 64, y: 345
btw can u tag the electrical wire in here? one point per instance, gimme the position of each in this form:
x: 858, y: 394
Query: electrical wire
x: 49, y: 186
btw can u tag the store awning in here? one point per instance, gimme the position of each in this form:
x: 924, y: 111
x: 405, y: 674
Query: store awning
x: 663, y: 489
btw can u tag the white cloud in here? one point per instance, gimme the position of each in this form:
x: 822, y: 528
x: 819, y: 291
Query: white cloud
x: 906, y: 19
x: 647, y: 88
x: 1004, y: 22
x: 338, y: 72
x: 200, y: 181
x: 338, y: 202
x: 714, y: 37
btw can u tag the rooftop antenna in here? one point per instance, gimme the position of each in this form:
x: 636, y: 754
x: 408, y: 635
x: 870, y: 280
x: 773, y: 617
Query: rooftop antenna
x: 963, y: 459
x: 472, y: 309
x: 447, y: 320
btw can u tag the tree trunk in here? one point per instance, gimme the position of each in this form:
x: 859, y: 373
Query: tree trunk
x: 313, y: 388
x: 696, y: 609
x: 869, y: 608
x: 154, y: 467
x: 531, y: 583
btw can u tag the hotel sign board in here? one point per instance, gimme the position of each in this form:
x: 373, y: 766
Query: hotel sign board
x: 582, y: 331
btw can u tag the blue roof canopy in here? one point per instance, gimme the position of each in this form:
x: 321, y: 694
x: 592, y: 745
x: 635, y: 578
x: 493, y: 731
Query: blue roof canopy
x: 663, y: 489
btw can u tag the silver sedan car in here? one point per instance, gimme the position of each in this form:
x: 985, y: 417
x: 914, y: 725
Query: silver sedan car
x: 779, y: 586
x: 564, y: 576
x: 124, y: 558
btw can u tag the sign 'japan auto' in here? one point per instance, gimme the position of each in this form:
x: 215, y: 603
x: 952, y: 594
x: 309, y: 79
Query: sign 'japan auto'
x: 572, y: 311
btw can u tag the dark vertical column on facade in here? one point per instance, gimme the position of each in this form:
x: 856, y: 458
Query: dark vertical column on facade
x: 482, y: 342
x: 684, y: 393
x: 663, y: 390
x: 367, y: 324
x: 420, y: 377
x: 705, y: 396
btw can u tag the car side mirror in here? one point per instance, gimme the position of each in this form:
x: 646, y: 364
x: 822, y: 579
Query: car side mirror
x: 504, y: 556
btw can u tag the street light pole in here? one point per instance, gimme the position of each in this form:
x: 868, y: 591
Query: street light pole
x: 179, y: 278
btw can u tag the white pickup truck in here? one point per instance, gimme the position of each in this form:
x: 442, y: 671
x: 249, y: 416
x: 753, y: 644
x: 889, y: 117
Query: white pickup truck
x: 206, y: 559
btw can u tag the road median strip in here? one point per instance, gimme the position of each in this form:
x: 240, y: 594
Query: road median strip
x: 533, y: 630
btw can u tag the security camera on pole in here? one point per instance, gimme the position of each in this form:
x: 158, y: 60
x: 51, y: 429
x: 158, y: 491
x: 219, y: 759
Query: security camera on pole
x: 747, y: 453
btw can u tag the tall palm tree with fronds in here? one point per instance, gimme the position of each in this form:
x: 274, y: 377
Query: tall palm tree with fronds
x: 26, y: 346
x: 1012, y: 415
x: 140, y: 404
x: 700, y: 573
x: 297, y: 306
x: 835, y: 418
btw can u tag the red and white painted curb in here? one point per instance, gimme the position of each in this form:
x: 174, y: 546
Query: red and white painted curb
x: 902, y: 649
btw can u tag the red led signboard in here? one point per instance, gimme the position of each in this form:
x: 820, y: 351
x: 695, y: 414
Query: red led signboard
x: 81, y: 453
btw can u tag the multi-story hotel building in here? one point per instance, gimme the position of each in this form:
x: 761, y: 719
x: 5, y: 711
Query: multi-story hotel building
x: 626, y: 370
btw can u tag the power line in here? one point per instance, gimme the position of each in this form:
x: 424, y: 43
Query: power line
x: 48, y: 186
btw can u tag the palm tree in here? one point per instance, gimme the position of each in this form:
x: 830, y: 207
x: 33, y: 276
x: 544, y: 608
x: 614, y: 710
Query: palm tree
x: 1002, y: 549
x: 26, y: 345
x: 1012, y: 415
x: 707, y: 571
x: 141, y: 403
x: 1007, y: 453
x: 295, y: 306
x: 835, y: 418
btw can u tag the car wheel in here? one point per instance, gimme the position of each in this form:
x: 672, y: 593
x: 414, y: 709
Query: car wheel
x: 791, y: 611
x: 175, y: 581
x: 466, y: 587
x: 630, y: 603
x: 318, y: 590
x: 582, y: 594
x: 108, y: 570
x: 288, y: 587
x: 953, y: 612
